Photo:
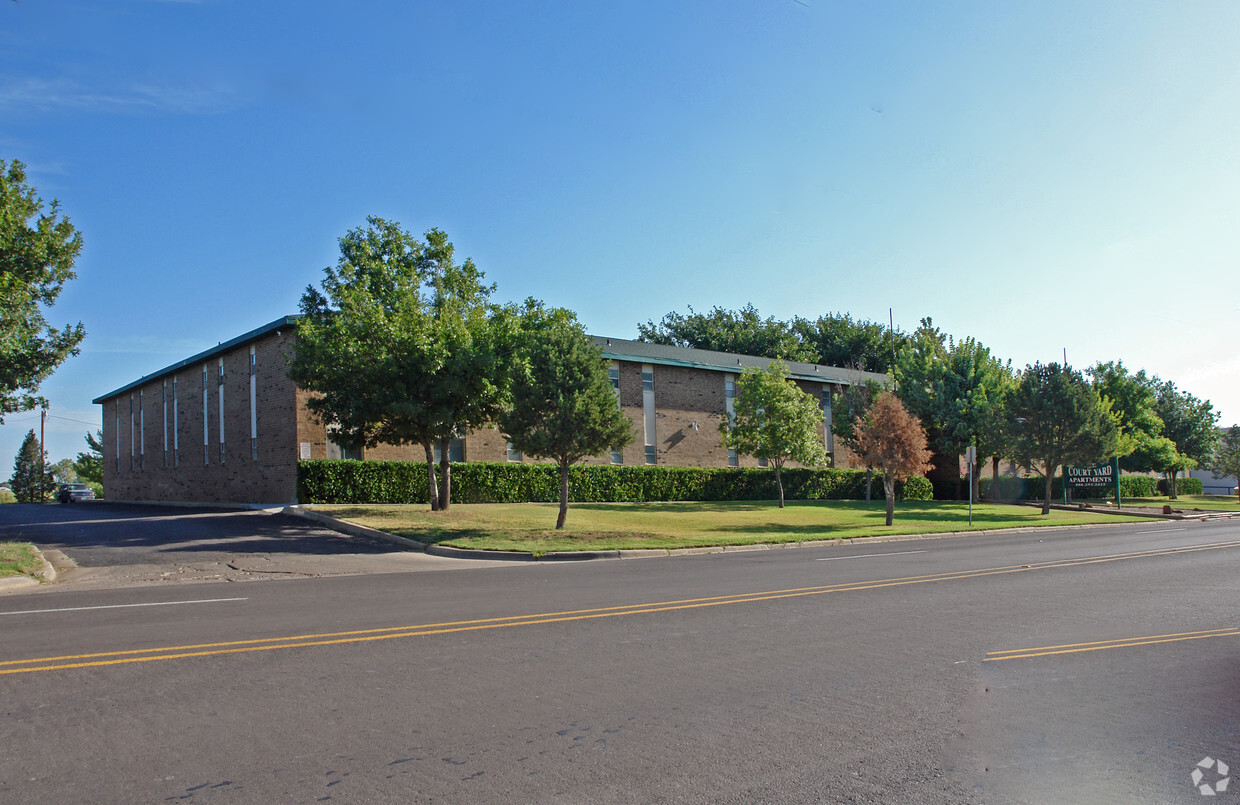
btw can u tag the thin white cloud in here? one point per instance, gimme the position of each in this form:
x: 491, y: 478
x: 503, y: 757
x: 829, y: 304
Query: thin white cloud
x: 46, y: 95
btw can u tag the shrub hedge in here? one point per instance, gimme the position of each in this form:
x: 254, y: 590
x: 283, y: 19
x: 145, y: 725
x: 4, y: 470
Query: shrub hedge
x: 1184, y: 486
x: 322, y: 481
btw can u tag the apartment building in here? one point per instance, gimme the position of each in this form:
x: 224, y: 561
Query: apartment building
x: 228, y: 425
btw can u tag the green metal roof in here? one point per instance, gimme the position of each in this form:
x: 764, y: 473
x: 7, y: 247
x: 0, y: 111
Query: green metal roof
x: 219, y: 349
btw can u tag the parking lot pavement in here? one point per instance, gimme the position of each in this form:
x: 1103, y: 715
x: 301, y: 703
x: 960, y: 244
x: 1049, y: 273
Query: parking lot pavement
x: 110, y: 544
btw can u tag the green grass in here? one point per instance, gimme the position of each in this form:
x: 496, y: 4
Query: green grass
x: 609, y: 526
x: 19, y: 559
x: 1226, y: 503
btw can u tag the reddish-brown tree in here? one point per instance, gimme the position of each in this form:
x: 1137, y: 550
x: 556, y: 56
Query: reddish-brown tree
x: 892, y: 440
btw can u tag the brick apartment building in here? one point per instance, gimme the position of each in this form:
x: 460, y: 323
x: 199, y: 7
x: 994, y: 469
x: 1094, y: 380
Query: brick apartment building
x: 228, y: 425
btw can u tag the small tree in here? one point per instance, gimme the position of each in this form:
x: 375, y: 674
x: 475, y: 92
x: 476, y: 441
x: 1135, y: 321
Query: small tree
x: 1226, y: 459
x: 30, y: 483
x: 1058, y: 419
x: 774, y: 420
x: 89, y: 465
x: 563, y: 405
x: 855, y: 402
x: 1190, y: 423
x: 892, y: 440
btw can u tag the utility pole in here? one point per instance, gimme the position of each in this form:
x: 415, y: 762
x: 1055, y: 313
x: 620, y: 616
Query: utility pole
x: 42, y: 456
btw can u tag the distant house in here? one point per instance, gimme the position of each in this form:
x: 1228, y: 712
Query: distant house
x: 228, y: 425
x: 1211, y: 484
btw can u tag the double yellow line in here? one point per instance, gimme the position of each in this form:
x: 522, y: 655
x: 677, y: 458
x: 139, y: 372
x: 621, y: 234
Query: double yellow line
x: 94, y: 660
x: 1103, y: 645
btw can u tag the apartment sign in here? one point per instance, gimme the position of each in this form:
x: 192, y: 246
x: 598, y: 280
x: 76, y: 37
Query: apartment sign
x: 1097, y: 475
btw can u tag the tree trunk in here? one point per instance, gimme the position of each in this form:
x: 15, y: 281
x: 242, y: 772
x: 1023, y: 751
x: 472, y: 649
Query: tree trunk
x: 1046, y: 500
x: 430, y: 472
x: 1173, y: 479
x: 869, y: 483
x: 889, y: 487
x: 994, y: 476
x: 779, y: 483
x: 559, y: 521
x: 445, y: 470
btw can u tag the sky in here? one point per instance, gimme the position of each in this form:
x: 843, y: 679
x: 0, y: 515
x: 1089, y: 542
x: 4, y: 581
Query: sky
x: 1043, y: 176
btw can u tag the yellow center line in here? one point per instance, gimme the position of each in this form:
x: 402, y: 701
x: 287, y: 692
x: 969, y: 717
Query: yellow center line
x: 1104, y: 645
x: 99, y: 659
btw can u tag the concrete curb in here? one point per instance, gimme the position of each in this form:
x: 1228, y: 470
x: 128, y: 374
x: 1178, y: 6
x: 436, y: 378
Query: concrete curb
x: 47, y: 573
x: 346, y: 527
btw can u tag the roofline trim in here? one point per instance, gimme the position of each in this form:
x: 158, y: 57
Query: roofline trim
x: 219, y: 349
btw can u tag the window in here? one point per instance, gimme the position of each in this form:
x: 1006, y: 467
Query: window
x: 648, y: 416
x: 132, y: 433
x: 206, y: 418
x: 340, y: 451
x: 118, y: 434
x: 762, y: 462
x: 513, y: 453
x: 176, y: 436
x: 733, y: 459
x: 729, y: 403
x: 253, y: 404
x: 219, y: 384
x: 617, y: 456
x: 828, y: 437
x: 141, y: 429
x: 456, y: 450
x: 163, y: 398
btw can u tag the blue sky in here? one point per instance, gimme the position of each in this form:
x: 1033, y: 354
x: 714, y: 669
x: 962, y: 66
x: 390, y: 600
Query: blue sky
x: 1040, y: 175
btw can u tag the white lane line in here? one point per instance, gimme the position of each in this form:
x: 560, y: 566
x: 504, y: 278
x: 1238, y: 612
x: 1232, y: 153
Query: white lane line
x: 1163, y: 531
x: 865, y: 556
x: 122, y: 606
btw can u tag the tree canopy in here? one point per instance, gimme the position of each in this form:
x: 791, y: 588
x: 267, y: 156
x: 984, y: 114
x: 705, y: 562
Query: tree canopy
x: 1191, y: 424
x: 401, y: 345
x: 892, y: 440
x: 1226, y: 459
x: 38, y: 247
x: 563, y: 406
x: 742, y: 331
x: 32, y: 479
x: 774, y: 420
x: 1058, y: 419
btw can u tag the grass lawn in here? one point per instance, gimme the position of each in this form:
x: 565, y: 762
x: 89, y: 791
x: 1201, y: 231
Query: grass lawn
x: 1225, y: 503
x: 609, y: 526
x: 19, y: 559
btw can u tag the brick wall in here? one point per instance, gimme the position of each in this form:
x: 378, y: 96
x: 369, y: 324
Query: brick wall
x: 179, y: 468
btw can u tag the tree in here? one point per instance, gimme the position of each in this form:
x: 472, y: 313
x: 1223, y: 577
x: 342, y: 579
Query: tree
x: 918, y: 373
x: 1133, y: 398
x: 38, y: 247
x: 774, y: 420
x: 563, y: 405
x: 1190, y: 424
x: 854, y: 403
x: 893, y: 441
x: 64, y: 472
x: 30, y: 482
x: 365, y: 344
x: 1059, y: 419
x: 743, y: 332
x: 1226, y: 459
x: 837, y: 339
x: 402, y: 345
x: 89, y: 465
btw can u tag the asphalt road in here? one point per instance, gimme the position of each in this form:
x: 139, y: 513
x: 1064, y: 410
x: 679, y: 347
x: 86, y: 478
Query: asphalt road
x: 1094, y: 665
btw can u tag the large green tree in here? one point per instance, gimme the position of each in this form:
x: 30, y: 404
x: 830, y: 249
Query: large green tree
x: 892, y: 440
x: 742, y: 331
x: 38, y: 247
x: 1191, y: 424
x: 563, y: 405
x: 837, y: 339
x: 31, y: 479
x: 401, y: 345
x: 1226, y: 459
x: 1133, y: 396
x: 774, y: 420
x: 1058, y: 419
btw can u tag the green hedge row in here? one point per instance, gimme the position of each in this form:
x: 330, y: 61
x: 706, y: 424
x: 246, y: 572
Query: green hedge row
x: 1184, y: 486
x: 321, y: 481
x: 1031, y: 488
